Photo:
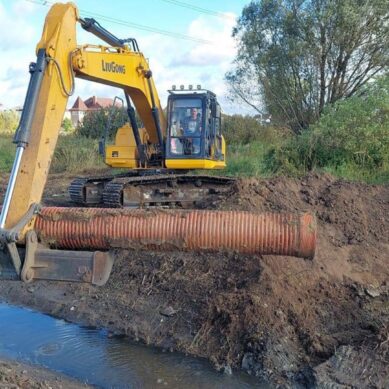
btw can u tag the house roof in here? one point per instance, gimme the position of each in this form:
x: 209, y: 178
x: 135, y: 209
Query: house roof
x: 92, y: 103
x: 98, y: 102
x: 79, y: 105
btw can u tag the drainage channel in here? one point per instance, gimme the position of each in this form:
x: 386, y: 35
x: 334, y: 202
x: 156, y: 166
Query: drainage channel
x: 91, y: 356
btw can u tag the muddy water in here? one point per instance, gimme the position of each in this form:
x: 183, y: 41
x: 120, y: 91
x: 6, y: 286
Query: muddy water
x: 91, y: 356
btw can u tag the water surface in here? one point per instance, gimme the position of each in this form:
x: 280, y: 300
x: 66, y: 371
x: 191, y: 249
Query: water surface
x: 91, y: 356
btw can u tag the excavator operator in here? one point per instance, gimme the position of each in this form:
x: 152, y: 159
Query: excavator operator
x: 192, y: 124
x: 186, y: 131
x: 192, y: 132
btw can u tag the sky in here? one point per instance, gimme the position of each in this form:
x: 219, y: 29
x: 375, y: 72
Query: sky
x: 203, y: 59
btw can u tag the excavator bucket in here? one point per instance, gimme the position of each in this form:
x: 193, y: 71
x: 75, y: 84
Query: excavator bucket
x: 42, y: 263
x: 7, y: 269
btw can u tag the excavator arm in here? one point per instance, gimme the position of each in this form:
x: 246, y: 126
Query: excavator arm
x: 44, y: 107
x: 59, y: 61
x: 129, y: 71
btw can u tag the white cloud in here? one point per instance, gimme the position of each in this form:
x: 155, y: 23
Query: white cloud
x: 17, y: 48
x: 24, y: 7
x: 173, y: 61
x: 221, y: 46
x: 179, y: 62
x: 14, y: 31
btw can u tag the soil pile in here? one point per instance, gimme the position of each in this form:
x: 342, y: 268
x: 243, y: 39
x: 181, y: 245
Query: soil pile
x: 16, y: 375
x: 282, y: 318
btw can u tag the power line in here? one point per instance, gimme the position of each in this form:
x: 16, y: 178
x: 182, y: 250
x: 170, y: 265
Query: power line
x: 199, y: 9
x: 137, y: 26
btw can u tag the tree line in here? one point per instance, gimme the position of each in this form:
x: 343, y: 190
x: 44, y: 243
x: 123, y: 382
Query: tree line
x: 295, y: 57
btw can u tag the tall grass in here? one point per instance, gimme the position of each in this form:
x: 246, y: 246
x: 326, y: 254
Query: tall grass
x: 350, y: 140
x: 73, y: 154
x: 272, y: 153
x: 7, y: 152
x: 246, y: 160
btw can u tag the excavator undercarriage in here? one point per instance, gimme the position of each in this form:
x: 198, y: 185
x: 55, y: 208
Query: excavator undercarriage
x: 148, y: 188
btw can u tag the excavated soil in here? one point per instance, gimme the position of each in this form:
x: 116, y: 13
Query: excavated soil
x: 16, y: 375
x: 322, y: 323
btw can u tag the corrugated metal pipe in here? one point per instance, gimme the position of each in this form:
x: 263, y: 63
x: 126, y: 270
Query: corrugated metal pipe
x: 189, y: 230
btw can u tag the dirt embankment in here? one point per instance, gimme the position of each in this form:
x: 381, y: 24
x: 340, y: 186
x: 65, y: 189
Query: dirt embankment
x: 16, y: 375
x: 319, y: 322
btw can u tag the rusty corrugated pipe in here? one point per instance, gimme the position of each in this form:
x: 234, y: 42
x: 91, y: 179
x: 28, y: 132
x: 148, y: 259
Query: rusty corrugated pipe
x: 245, y: 232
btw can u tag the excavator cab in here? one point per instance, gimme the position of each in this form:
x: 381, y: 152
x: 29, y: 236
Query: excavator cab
x: 194, y: 139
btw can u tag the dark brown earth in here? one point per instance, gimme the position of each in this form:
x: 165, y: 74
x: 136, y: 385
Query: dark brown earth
x: 16, y: 375
x: 319, y: 323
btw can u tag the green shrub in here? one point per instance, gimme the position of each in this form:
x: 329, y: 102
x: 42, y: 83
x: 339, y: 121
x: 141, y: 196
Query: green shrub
x: 74, y: 154
x: 7, y: 153
x: 95, y: 122
x: 351, y: 139
x: 355, y: 130
x: 9, y: 121
x: 238, y: 129
x: 67, y: 125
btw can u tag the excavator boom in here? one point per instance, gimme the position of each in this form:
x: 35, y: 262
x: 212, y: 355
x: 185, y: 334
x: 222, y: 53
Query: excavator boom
x: 59, y: 61
x: 44, y: 108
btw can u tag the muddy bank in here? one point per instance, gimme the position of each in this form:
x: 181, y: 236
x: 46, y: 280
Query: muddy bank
x: 286, y: 319
x: 15, y: 375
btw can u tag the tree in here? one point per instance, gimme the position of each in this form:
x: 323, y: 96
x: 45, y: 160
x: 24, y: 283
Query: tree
x: 95, y: 122
x: 352, y: 135
x: 238, y: 129
x: 67, y: 125
x: 300, y: 55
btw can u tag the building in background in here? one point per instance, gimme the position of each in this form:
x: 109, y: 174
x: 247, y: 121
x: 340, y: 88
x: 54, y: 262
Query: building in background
x: 80, y: 108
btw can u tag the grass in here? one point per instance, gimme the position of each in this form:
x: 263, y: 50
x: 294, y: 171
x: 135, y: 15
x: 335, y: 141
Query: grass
x: 352, y: 172
x: 252, y: 160
x: 246, y: 160
x: 7, y: 153
x: 73, y: 154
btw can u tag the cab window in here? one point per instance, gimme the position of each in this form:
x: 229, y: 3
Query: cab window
x: 186, y: 126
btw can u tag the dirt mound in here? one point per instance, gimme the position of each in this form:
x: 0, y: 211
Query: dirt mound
x: 16, y: 375
x: 276, y: 317
x: 354, y: 368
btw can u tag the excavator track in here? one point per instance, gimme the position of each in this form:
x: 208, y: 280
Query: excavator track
x: 88, y: 191
x: 133, y: 190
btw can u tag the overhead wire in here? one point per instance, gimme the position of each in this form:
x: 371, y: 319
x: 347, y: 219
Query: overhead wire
x: 196, y: 8
x: 130, y: 24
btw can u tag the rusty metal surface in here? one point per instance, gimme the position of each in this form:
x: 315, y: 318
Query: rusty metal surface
x: 102, y: 229
x: 63, y: 265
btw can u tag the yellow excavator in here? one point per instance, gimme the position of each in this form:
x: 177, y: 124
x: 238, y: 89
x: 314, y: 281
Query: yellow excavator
x: 157, y: 157
x: 187, y: 138
x: 61, y: 243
